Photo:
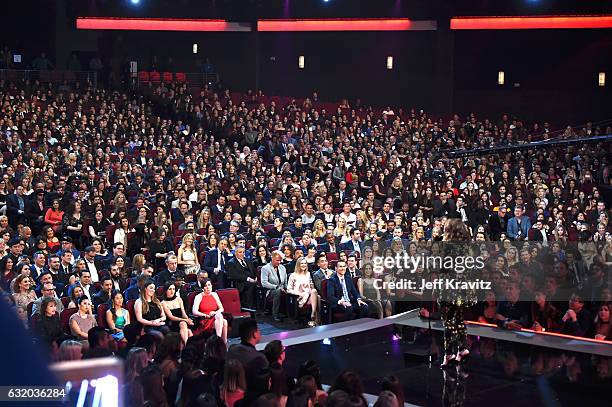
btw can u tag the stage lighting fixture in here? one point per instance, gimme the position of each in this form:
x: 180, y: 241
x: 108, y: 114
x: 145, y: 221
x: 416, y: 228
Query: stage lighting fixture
x: 194, y: 48
x: 601, y: 80
x: 301, y: 61
x: 389, y: 62
x: 326, y: 341
x: 501, y: 77
x: 135, y: 2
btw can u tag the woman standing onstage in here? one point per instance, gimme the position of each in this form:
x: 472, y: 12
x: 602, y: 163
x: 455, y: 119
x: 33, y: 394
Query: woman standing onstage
x: 454, y: 302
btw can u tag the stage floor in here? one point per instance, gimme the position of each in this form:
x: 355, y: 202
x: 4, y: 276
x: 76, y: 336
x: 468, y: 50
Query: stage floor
x: 561, y: 342
x: 500, y: 372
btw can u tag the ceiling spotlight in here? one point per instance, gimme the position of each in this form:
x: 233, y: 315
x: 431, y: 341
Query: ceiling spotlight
x: 134, y: 1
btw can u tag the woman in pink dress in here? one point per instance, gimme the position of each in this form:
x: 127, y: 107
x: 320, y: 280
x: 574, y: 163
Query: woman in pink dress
x: 208, y: 306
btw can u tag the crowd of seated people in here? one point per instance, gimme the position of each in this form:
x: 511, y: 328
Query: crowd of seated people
x: 140, y: 209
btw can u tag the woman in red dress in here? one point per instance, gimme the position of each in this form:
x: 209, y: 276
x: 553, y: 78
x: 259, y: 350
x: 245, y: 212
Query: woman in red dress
x: 208, y: 306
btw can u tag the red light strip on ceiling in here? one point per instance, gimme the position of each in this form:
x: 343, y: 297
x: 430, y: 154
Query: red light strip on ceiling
x: 530, y: 22
x: 399, y: 24
x: 157, y: 24
x: 572, y: 337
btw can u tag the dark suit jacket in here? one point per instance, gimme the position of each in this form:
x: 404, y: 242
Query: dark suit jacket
x: 12, y: 208
x: 165, y: 276
x: 252, y: 360
x: 325, y: 248
x: 349, y: 246
x: 211, y: 259
x: 33, y: 211
x: 334, y: 289
x: 238, y: 273
x: 100, y: 297
x: 495, y: 226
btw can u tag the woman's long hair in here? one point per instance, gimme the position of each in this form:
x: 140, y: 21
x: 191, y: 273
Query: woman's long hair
x: 143, y: 300
x: 456, y: 231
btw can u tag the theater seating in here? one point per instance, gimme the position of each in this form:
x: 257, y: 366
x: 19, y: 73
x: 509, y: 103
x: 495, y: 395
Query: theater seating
x: 232, y: 309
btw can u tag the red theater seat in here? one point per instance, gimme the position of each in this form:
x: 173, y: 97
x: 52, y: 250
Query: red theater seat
x: 65, y: 318
x: 232, y: 309
x: 155, y: 77
x: 101, y: 315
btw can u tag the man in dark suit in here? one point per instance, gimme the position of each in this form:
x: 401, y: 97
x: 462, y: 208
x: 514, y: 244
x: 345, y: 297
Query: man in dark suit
x: 15, y: 250
x: 15, y: 207
x: 38, y: 267
x: 245, y: 352
x: 171, y: 273
x: 102, y: 296
x: 201, y: 279
x: 55, y: 267
x: 214, y: 263
x: 323, y: 273
x: 66, y: 264
x: 331, y: 244
x: 93, y: 265
x: 538, y: 233
x: 242, y: 272
x: 355, y: 244
x: 116, y: 280
x: 35, y: 212
x: 498, y: 223
x: 343, y: 296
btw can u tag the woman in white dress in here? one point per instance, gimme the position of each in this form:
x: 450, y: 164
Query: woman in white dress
x: 300, y: 284
x: 188, y: 256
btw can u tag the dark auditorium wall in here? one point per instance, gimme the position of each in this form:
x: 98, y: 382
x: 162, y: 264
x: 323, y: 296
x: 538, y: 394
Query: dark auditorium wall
x: 443, y: 71
x: 351, y: 65
x: 556, y: 69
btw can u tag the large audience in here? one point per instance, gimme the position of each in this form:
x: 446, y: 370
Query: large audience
x: 127, y: 217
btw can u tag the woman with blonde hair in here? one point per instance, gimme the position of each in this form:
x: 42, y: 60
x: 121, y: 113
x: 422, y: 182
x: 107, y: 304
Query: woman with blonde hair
x: 138, y: 262
x: 204, y: 219
x: 300, y: 283
x: 319, y: 229
x: 188, y: 256
x: 342, y: 230
x: 512, y: 256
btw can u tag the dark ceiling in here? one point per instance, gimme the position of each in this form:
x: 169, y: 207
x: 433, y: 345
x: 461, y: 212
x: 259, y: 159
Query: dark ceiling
x: 246, y: 10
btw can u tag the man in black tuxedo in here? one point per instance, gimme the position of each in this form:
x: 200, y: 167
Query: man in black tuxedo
x: 498, y: 223
x: 15, y: 207
x: 171, y: 273
x: 355, y: 244
x: 242, y: 272
x: 103, y: 296
x: 331, y: 244
x: 201, y: 279
x: 343, y: 296
x: 214, y: 263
